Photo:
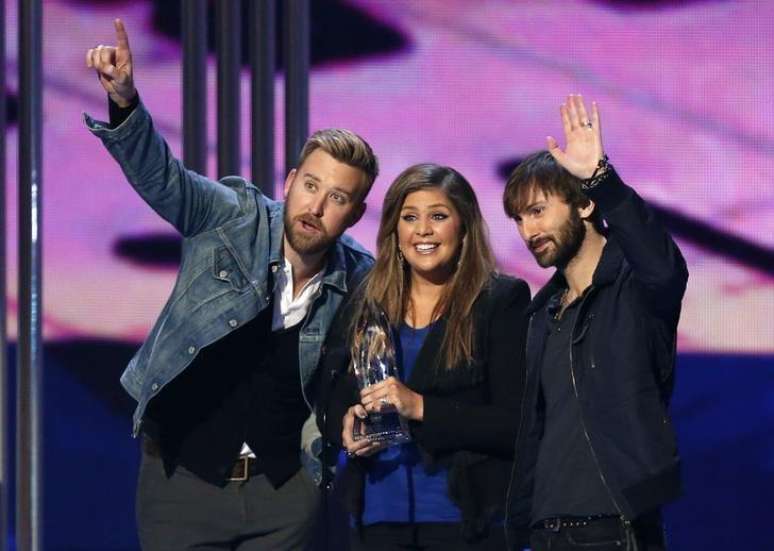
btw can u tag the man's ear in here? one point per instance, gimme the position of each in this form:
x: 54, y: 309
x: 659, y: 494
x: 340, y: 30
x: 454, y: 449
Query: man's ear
x: 289, y: 181
x: 357, y: 214
x: 586, y: 212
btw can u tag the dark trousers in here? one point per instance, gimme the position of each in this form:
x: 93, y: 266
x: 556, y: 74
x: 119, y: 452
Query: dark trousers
x: 389, y: 536
x: 644, y: 534
x: 184, y: 512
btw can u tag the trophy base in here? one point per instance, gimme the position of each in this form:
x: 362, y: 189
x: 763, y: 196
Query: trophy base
x: 388, y: 428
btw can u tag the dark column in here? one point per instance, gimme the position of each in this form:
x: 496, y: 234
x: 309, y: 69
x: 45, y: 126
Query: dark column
x: 296, y: 49
x: 29, y: 490
x: 4, y: 455
x: 194, y: 18
x: 229, y: 54
x: 262, y: 54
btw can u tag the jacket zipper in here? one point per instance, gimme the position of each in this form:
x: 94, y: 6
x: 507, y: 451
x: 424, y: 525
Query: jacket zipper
x: 518, y: 439
x: 583, y: 420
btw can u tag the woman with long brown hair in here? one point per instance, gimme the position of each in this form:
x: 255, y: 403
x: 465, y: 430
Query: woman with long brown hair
x: 459, y: 329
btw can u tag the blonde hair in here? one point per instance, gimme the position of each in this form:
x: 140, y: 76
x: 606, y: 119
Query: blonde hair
x: 346, y: 147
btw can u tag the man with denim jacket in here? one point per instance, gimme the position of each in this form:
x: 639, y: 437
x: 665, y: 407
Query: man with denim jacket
x: 595, y: 453
x: 222, y: 382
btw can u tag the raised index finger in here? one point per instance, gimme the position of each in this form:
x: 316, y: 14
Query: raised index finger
x: 122, y: 39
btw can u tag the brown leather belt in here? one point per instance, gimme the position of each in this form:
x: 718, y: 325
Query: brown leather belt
x: 242, y: 469
x: 556, y: 524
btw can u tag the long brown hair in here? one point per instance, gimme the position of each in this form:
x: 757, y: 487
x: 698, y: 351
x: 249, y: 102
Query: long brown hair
x: 389, y: 282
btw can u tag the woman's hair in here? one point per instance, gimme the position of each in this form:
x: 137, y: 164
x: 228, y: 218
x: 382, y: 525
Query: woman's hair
x: 389, y: 282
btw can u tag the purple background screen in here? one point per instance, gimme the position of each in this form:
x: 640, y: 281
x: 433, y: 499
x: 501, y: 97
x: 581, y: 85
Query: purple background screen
x: 684, y: 89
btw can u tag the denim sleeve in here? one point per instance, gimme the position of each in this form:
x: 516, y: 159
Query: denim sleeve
x: 189, y: 201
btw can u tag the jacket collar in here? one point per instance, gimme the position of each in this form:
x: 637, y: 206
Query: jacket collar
x: 604, y: 274
x: 336, y: 267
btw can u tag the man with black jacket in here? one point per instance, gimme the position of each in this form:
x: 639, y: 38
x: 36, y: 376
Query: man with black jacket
x: 595, y: 454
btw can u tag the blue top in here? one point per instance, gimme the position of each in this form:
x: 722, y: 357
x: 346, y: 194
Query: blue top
x: 397, y: 486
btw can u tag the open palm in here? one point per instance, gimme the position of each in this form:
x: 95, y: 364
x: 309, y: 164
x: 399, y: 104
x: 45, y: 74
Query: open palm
x: 583, y: 135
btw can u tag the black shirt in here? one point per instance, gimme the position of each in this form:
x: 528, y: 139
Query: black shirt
x: 567, y: 480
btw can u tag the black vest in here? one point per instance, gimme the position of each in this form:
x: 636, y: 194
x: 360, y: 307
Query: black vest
x: 245, y: 387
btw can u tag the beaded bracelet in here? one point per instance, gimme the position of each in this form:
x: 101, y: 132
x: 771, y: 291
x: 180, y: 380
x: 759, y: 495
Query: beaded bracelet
x: 599, y: 175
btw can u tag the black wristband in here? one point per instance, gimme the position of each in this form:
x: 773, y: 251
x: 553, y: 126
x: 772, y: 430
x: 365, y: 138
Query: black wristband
x: 119, y: 114
x: 599, y: 175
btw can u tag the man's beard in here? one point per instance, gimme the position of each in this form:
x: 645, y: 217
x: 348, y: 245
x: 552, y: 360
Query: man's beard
x: 302, y: 243
x: 566, y: 245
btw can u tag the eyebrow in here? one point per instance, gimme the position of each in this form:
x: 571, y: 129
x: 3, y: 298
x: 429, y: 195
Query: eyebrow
x: 435, y: 206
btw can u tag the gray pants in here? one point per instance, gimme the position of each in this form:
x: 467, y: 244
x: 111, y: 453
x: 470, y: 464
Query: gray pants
x: 184, y: 512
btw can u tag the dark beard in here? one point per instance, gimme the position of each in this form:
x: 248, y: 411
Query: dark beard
x: 303, y: 244
x: 566, y: 245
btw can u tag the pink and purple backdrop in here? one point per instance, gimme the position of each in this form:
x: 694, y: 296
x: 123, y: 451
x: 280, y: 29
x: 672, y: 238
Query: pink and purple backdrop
x: 686, y: 109
x: 685, y: 93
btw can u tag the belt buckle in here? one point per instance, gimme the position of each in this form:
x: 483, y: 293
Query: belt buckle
x: 244, y: 462
x: 553, y: 524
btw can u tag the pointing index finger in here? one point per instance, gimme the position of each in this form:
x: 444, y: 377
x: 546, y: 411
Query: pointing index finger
x: 122, y: 39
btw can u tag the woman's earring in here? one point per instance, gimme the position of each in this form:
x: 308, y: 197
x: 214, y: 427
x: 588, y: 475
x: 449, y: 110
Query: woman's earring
x: 401, y: 257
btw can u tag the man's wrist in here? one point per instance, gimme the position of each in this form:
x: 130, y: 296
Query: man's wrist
x: 119, y: 113
x: 600, y: 174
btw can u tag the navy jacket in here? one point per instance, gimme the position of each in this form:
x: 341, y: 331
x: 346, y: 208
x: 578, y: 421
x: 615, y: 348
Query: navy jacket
x: 622, y: 358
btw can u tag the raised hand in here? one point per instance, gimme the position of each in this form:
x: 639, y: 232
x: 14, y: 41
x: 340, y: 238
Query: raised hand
x: 114, y: 67
x: 583, y: 136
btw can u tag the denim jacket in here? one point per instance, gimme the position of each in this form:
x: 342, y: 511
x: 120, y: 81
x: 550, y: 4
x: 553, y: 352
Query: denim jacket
x: 232, y: 236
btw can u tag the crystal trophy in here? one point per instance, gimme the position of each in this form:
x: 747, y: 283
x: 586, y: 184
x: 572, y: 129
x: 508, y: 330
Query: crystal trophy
x: 373, y: 360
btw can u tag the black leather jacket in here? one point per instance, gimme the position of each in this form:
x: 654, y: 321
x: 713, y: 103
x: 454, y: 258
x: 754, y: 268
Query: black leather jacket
x: 622, y: 358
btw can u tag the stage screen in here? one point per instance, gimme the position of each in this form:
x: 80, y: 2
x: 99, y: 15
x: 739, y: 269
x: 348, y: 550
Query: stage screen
x: 475, y: 85
x: 684, y: 89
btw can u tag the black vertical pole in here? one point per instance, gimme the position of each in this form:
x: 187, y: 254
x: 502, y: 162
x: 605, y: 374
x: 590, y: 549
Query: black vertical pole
x: 29, y: 486
x: 296, y: 50
x: 229, y: 55
x: 4, y: 456
x: 262, y: 55
x: 194, y: 18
